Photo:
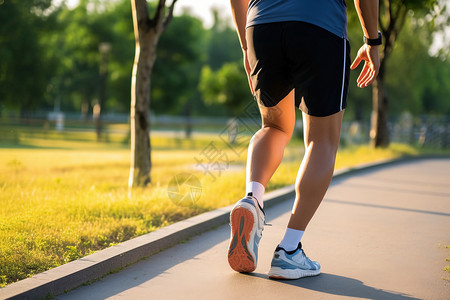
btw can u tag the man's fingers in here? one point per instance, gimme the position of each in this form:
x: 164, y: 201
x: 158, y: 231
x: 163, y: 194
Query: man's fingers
x: 364, y: 75
x: 356, y: 62
x: 363, y: 82
x: 369, y: 78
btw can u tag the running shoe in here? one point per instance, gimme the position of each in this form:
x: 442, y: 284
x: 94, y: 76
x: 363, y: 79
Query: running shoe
x: 247, y: 223
x: 292, y: 264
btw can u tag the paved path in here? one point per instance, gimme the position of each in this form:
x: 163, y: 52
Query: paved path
x: 379, y: 234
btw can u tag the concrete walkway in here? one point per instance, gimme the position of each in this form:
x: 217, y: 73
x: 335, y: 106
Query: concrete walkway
x: 379, y: 234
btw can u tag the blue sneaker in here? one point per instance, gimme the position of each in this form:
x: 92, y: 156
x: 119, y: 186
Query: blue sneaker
x: 247, y: 224
x: 292, y: 264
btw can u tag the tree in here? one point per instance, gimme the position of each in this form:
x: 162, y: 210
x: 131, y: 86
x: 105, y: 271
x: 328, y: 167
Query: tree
x: 75, y: 46
x: 223, y: 44
x: 223, y: 81
x: 181, y: 54
x: 23, y: 69
x: 147, y: 32
x: 393, y: 14
x: 424, y: 89
x: 227, y: 86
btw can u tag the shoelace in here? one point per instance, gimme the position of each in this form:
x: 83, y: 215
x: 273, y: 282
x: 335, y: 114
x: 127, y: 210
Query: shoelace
x: 306, y: 257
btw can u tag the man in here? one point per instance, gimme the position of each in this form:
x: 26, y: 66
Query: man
x: 296, y: 54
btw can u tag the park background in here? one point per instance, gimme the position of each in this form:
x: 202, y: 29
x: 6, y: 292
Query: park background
x: 65, y: 76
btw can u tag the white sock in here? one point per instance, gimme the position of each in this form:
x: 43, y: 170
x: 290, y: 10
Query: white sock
x: 257, y: 190
x: 291, y: 239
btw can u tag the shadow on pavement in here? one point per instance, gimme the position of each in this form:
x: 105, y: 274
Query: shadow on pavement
x: 388, y: 207
x: 340, y: 286
x: 409, y: 190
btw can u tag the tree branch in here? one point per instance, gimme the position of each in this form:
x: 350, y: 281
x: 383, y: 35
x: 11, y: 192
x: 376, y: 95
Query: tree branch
x: 396, y: 12
x: 158, y: 16
x: 380, y: 23
x: 169, y: 15
x: 402, y: 19
x: 398, y: 24
x: 389, y: 12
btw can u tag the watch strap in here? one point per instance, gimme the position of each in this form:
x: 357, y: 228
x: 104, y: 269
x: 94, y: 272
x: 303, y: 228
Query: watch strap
x: 374, y: 42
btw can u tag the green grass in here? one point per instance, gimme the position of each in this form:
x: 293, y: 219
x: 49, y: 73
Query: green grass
x: 447, y: 268
x: 64, y: 197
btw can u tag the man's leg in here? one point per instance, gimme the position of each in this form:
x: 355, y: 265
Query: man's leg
x: 321, y: 135
x: 264, y: 156
x: 266, y: 147
x: 321, y: 142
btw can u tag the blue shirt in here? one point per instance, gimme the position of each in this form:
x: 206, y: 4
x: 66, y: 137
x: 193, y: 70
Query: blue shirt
x: 328, y: 14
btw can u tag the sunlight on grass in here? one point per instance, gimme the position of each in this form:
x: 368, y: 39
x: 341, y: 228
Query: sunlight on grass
x: 64, y: 199
x: 62, y: 204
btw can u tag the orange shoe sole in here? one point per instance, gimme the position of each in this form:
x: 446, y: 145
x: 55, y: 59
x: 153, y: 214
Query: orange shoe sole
x: 239, y: 257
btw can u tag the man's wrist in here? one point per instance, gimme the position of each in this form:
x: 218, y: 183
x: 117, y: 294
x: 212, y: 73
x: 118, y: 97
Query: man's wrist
x: 374, y: 42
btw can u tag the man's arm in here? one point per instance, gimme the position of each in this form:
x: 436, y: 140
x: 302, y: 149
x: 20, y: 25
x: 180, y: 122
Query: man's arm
x: 239, y: 10
x: 368, y: 16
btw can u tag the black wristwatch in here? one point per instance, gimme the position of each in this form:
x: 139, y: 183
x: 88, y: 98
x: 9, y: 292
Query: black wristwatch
x: 374, y: 42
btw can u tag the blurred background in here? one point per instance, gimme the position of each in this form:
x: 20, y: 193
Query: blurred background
x: 66, y: 65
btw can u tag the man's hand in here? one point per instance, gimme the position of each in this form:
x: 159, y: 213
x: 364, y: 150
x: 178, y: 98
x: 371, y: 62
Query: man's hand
x: 371, y: 64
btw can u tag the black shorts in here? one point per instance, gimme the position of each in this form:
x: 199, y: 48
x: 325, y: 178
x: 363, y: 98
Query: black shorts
x: 301, y: 56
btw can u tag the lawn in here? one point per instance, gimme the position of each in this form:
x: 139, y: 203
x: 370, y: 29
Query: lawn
x: 63, y: 198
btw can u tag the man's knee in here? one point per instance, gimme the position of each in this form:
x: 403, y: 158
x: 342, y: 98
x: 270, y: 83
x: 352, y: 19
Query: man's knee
x: 285, y: 130
x: 276, y: 119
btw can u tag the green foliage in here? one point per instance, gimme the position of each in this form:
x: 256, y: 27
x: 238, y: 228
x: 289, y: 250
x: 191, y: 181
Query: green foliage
x: 72, y: 253
x: 3, y: 280
x: 223, y: 43
x: 77, y: 46
x: 180, y: 55
x: 415, y: 81
x: 63, y: 55
x: 447, y: 268
x: 223, y: 82
x: 51, y: 55
x: 118, y: 88
x: 227, y: 86
x: 22, y: 65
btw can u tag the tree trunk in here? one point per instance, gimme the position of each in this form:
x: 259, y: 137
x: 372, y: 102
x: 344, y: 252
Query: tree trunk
x: 147, y: 32
x: 395, y: 15
x: 379, y: 133
x: 140, y: 107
